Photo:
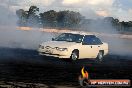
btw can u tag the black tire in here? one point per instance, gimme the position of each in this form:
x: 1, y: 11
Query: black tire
x: 100, y: 56
x: 74, y: 55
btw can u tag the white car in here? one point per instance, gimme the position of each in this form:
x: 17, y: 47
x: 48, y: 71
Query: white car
x: 75, y: 46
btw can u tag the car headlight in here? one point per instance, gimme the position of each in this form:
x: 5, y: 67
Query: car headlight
x: 61, y: 49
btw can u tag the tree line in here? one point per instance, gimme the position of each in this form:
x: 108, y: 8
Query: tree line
x: 67, y: 19
x: 48, y: 19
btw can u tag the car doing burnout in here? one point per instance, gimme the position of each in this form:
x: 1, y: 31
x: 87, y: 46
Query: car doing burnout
x: 74, y: 46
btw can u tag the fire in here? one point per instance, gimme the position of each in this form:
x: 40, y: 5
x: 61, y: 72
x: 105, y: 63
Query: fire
x: 84, y: 73
x: 83, y: 79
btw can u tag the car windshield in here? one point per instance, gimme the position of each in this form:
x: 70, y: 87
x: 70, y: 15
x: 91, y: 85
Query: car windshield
x: 69, y: 37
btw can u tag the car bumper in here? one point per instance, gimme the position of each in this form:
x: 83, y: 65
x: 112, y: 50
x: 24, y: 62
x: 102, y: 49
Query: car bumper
x: 54, y: 55
x: 106, y: 52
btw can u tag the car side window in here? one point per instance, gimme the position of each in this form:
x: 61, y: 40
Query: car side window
x: 91, y: 40
x: 97, y: 41
x: 88, y: 39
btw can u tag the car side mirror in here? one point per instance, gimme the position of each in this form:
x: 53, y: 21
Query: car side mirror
x: 53, y: 39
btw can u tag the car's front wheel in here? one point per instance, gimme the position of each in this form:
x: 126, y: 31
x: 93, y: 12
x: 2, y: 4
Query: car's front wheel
x: 74, y: 55
x: 100, y: 56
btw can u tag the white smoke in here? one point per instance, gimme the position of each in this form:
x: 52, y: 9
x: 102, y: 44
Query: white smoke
x: 117, y: 45
x: 11, y: 37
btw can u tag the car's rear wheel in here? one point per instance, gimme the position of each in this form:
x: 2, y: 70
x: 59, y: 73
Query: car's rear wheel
x: 74, y: 55
x: 100, y: 56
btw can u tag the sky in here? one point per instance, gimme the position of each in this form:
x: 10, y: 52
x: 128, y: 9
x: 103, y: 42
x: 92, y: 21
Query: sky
x: 120, y: 9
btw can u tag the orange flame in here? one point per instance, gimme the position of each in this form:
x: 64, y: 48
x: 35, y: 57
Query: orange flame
x: 84, y: 73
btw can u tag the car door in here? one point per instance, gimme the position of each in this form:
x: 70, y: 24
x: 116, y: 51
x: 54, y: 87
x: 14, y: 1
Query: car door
x: 89, y: 49
x: 96, y: 45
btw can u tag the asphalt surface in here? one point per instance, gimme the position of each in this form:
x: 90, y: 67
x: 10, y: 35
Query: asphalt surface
x: 24, y: 68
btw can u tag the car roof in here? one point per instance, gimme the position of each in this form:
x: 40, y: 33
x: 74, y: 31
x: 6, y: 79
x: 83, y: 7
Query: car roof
x: 80, y: 32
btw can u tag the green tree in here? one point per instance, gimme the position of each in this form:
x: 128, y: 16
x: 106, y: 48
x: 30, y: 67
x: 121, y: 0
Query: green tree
x: 33, y: 10
x: 49, y: 18
x: 73, y: 18
x: 22, y: 15
x: 68, y: 18
x: 61, y: 18
x: 32, y: 17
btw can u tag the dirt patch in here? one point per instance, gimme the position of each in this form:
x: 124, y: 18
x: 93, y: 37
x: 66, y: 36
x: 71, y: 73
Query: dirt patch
x: 126, y: 36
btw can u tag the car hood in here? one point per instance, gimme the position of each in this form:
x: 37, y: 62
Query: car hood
x: 61, y: 44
